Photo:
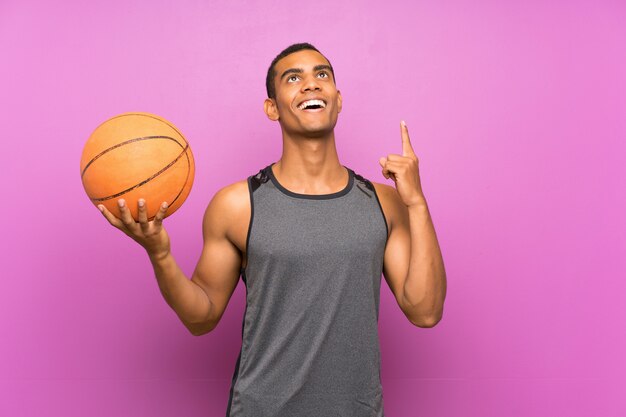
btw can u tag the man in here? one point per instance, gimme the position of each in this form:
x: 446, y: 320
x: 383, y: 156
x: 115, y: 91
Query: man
x: 310, y: 239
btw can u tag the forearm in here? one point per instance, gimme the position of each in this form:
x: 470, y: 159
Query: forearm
x: 425, y: 285
x: 184, y: 296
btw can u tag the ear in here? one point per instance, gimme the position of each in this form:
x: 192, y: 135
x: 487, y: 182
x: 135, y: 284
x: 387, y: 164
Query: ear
x: 339, y: 101
x: 269, y: 106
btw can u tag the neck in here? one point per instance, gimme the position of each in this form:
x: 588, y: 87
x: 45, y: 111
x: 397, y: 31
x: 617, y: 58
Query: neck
x: 310, y: 165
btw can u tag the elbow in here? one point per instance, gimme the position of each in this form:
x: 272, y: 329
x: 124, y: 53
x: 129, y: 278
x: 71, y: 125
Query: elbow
x: 199, y: 332
x: 199, y: 329
x: 195, y: 332
x: 427, y: 322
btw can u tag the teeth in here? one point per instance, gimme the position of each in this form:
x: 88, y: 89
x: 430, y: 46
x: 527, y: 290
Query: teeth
x: 312, y: 103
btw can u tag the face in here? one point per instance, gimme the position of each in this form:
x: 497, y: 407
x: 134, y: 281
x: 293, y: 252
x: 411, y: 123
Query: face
x: 307, y: 100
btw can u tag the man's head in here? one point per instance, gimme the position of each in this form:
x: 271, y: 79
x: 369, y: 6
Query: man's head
x: 270, y: 84
x: 302, y: 95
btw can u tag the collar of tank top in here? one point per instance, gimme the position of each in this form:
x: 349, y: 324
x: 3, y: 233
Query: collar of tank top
x: 284, y: 190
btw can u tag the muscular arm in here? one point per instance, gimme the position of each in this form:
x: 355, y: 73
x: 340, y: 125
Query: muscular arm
x: 413, y: 265
x: 226, y: 221
x: 199, y: 302
x: 186, y: 298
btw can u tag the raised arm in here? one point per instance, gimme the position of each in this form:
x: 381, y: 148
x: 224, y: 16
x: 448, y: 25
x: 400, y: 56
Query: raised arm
x: 413, y: 264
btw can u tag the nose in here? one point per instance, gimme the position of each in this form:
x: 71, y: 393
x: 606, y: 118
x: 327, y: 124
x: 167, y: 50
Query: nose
x: 311, y: 84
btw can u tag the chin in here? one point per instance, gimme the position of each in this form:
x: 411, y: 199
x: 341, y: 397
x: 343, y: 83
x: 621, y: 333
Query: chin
x: 315, y: 131
x: 311, y: 128
x: 321, y: 127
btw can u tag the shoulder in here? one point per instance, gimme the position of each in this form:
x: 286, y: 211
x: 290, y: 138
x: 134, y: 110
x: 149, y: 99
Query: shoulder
x: 233, y: 195
x: 229, y: 205
x: 387, y: 193
x: 390, y: 201
x: 383, y: 190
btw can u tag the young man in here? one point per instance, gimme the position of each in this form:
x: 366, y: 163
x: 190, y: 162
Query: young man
x: 310, y: 238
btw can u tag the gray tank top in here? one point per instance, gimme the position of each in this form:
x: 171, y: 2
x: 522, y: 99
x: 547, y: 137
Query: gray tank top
x: 310, y: 344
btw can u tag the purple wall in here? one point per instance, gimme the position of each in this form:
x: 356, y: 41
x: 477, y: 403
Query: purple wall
x: 516, y: 111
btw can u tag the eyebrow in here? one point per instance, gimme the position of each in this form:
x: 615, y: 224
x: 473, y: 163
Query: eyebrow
x: 300, y: 70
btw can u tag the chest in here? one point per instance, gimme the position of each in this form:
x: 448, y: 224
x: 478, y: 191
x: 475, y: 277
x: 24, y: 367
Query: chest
x: 321, y: 231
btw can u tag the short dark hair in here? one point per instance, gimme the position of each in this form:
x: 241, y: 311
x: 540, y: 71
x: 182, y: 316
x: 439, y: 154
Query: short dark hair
x: 271, y: 71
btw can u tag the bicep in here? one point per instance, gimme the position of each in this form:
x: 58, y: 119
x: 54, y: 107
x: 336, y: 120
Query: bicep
x: 218, y: 269
x: 398, y: 249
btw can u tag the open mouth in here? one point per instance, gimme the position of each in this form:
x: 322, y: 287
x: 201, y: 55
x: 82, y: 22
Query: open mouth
x: 314, y: 104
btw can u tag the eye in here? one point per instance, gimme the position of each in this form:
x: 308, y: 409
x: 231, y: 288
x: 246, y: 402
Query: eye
x: 323, y: 74
x: 292, y: 78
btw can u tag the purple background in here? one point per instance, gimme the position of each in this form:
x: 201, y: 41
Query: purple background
x: 516, y: 111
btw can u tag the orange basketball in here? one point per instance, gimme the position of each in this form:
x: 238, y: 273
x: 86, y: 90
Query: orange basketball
x: 137, y: 155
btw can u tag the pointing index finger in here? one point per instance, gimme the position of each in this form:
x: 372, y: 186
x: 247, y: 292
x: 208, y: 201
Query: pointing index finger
x: 407, y: 149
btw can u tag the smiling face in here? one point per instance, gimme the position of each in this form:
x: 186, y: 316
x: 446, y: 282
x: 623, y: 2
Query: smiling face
x: 307, y: 101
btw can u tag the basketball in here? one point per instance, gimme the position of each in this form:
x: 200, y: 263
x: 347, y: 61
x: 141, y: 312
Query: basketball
x: 137, y: 155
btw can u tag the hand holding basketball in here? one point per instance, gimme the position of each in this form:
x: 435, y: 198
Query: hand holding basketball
x: 149, y: 234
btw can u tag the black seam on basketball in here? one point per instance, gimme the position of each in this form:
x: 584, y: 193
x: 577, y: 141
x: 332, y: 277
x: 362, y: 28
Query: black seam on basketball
x: 151, y: 117
x: 164, y: 121
x: 126, y: 143
x: 186, y: 179
x: 184, y: 152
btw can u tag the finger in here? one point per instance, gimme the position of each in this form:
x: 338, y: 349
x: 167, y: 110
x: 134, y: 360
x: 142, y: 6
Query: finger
x: 393, y: 169
x: 407, y: 149
x: 142, y: 215
x: 394, y: 157
x: 125, y: 216
x: 110, y: 217
x: 382, y: 161
x: 158, y: 218
x: 389, y: 170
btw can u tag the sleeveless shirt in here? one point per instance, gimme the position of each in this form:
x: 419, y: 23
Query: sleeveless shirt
x: 310, y: 345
